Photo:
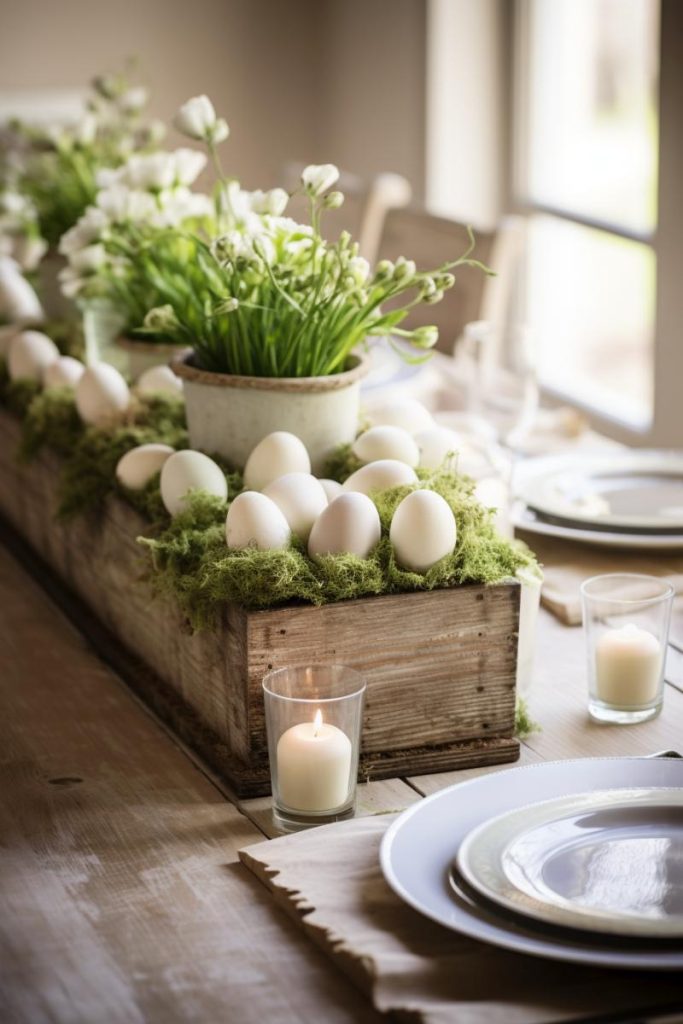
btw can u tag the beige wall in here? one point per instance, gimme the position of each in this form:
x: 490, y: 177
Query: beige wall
x: 312, y: 80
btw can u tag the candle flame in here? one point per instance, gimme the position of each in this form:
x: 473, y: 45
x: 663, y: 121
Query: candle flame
x: 317, y: 722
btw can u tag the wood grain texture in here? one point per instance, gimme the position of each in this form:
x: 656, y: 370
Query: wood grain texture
x: 440, y: 666
x: 121, y: 901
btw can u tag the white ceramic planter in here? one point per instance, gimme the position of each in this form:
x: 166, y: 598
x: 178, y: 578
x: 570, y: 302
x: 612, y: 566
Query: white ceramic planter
x: 140, y: 355
x: 228, y: 414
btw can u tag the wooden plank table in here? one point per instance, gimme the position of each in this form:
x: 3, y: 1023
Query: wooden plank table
x: 121, y: 898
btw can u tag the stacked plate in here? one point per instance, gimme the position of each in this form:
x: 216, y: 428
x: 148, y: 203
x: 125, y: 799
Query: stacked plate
x: 574, y: 860
x: 631, y: 499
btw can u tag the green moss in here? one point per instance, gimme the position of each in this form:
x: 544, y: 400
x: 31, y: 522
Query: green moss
x: 193, y: 565
x: 524, y: 723
x: 51, y: 419
x: 17, y: 395
x: 88, y: 474
x: 341, y: 464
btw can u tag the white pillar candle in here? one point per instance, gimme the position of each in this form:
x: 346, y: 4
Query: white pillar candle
x: 627, y: 666
x: 313, y: 766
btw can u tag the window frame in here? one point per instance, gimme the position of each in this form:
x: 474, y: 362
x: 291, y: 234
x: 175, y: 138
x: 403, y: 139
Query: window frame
x: 665, y: 241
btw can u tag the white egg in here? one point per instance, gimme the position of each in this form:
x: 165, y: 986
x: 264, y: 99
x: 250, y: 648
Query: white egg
x: 254, y: 520
x: 137, y: 467
x: 349, y: 525
x: 332, y: 489
x: 278, y: 453
x: 65, y: 372
x: 189, y: 471
x: 18, y: 300
x: 158, y: 378
x: 408, y: 413
x: 386, y: 443
x: 493, y: 493
x: 101, y: 394
x: 30, y: 353
x: 435, y: 444
x: 423, y: 531
x: 379, y: 476
x: 301, y: 498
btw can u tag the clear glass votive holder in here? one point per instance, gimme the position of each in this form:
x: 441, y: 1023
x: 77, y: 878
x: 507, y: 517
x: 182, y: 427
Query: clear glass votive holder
x: 626, y: 626
x: 314, y: 715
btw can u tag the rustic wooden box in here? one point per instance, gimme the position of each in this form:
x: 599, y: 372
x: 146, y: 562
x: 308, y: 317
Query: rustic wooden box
x: 440, y: 666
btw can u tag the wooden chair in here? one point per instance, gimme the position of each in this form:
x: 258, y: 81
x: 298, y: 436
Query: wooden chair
x: 431, y: 241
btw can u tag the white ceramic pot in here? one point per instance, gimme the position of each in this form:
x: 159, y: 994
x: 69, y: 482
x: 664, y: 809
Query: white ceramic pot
x: 141, y: 355
x: 228, y: 414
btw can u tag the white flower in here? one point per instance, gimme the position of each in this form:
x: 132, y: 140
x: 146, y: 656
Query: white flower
x: 178, y: 205
x: 86, y: 130
x: 88, y: 228
x: 149, y: 171
x: 188, y: 164
x: 317, y: 178
x: 14, y: 202
x: 359, y: 269
x: 273, y: 202
x: 197, y: 119
x: 238, y: 205
x: 105, y: 177
x: 161, y: 319
x: 122, y: 204
x: 89, y: 259
x: 133, y: 99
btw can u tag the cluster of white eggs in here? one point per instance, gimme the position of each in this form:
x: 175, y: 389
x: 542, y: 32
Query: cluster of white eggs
x: 283, y: 498
x: 100, y: 391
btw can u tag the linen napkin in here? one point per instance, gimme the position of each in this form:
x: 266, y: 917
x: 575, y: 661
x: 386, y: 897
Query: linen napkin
x: 329, y: 880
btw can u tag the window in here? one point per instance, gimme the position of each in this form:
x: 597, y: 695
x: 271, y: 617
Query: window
x: 578, y: 104
x: 585, y: 147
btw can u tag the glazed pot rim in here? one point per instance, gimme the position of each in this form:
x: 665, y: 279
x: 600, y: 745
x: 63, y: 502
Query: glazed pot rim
x: 182, y: 366
x: 139, y: 345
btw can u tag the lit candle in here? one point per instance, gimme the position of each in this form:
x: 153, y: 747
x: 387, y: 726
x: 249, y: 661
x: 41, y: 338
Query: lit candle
x: 628, y: 666
x: 313, y: 765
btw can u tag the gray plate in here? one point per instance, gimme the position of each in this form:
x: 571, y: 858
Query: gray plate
x: 610, y: 862
x: 419, y: 847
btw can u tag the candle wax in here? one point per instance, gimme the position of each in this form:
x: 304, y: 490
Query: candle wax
x: 313, y: 767
x: 628, y: 666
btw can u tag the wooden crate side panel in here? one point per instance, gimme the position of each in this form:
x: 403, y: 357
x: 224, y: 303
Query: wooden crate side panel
x: 440, y: 667
x: 98, y: 557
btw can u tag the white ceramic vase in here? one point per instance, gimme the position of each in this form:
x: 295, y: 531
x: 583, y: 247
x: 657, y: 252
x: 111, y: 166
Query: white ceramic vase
x: 228, y: 414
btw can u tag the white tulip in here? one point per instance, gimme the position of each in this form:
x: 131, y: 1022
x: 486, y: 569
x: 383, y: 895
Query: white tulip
x: 317, y: 178
x: 87, y: 229
x: 188, y: 165
x: 89, y: 259
x: 197, y: 119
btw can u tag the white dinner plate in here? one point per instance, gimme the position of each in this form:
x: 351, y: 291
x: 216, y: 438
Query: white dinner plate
x: 419, y: 848
x: 523, y: 518
x: 610, y: 861
x: 631, y: 490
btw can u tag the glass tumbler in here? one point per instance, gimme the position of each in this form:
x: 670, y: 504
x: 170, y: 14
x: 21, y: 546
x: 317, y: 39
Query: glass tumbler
x: 626, y: 625
x: 314, y: 715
